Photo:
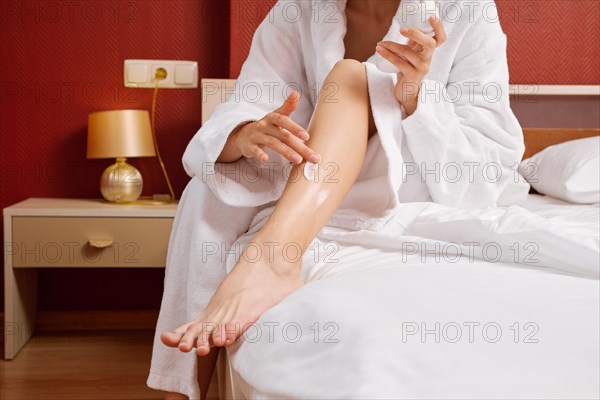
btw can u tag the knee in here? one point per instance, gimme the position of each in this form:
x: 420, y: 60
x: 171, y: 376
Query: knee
x: 349, y: 64
x: 352, y: 69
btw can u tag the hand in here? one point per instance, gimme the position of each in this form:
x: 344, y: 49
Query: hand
x: 413, y: 60
x: 278, y: 132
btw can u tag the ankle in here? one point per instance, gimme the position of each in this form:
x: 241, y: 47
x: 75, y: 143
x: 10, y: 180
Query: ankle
x: 283, y: 258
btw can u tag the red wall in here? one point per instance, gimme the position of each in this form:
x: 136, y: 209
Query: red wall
x: 550, y: 42
x: 61, y: 60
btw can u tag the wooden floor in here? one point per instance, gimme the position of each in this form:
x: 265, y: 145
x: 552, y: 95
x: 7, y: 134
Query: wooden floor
x: 80, y: 365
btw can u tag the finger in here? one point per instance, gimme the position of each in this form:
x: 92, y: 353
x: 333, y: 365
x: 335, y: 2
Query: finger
x: 403, y: 65
x: 258, y: 153
x: 416, y: 47
x: 284, y: 150
x: 438, y: 29
x: 428, y: 43
x: 290, y: 104
x: 285, y: 122
x: 294, y: 144
x: 403, y: 51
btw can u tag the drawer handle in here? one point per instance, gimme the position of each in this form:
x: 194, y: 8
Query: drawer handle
x: 100, y: 244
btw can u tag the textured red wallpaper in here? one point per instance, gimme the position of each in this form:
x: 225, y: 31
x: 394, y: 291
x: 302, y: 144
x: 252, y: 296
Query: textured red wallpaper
x: 61, y: 60
x: 550, y: 42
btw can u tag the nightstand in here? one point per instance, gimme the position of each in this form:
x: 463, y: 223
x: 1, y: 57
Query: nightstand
x: 77, y: 233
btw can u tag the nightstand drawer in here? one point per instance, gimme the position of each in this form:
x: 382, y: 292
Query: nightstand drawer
x: 126, y: 242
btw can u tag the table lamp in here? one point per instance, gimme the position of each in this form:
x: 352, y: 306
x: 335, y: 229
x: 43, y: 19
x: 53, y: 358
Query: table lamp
x: 120, y: 134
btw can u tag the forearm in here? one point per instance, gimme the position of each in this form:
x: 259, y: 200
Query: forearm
x: 231, y: 152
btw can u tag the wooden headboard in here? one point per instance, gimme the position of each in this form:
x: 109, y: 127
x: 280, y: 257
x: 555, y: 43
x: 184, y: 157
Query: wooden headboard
x: 216, y: 91
x: 537, y: 139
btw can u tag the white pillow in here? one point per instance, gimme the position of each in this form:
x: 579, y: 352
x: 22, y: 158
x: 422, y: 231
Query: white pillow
x: 569, y: 171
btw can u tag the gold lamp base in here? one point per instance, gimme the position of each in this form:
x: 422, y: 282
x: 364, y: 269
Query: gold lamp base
x: 121, y: 182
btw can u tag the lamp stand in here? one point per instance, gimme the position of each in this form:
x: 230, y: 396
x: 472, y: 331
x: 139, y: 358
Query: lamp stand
x: 121, y: 182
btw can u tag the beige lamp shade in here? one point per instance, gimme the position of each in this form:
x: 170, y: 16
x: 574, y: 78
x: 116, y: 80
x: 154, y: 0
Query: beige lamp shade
x: 120, y: 133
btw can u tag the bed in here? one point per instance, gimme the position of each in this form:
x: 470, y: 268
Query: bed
x: 494, y: 303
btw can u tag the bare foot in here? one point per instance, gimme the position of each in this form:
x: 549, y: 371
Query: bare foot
x: 255, y: 284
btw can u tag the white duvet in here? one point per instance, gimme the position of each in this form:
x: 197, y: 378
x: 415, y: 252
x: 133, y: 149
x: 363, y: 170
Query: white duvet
x: 504, y: 305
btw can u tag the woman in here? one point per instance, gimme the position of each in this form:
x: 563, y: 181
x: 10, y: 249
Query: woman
x: 382, y: 138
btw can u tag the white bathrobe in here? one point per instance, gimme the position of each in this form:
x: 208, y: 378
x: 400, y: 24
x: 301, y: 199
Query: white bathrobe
x: 460, y: 148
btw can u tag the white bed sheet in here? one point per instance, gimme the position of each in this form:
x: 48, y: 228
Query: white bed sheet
x: 377, y: 319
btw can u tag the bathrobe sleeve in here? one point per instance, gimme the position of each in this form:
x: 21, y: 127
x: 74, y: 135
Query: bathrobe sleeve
x: 463, y: 136
x: 273, y: 69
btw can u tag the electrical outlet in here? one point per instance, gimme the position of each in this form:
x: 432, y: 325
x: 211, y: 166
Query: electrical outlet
x: 141, y: 74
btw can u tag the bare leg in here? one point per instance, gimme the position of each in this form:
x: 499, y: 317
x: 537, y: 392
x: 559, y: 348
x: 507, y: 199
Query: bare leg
x: 338, y: 131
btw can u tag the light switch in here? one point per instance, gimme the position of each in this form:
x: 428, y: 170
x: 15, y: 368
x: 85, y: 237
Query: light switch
x: 184, y: 73
x: 137, y: 73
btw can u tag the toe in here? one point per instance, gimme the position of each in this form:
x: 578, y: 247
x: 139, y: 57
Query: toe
x: 189, y: 338
x: 232, y: 330
x: 204, y: 338
x: 202, y: 349
x: 219, y: 335
x: 172, y: 339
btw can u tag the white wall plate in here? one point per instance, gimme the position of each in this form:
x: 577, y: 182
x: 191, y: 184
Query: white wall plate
x: 141, y: 73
